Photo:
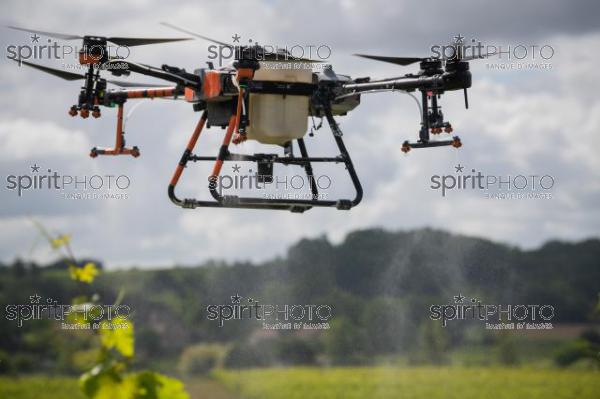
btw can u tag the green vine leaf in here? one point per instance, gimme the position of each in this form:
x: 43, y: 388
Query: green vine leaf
x: 61, y: 240
x: 151, y: 385
x: 86, y: 274
x: 104, y: 384
x: 109, y: 378
x: 118, y: 334
x: 93, y: 381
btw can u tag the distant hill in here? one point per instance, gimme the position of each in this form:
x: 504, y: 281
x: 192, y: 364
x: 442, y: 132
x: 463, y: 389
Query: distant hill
x: 372, y: 274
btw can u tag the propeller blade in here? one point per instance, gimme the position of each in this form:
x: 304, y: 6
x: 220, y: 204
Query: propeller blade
x: 121, y: 41
x: 138, y: 41
x: 75, y: 76
x: 55, y: 35
x: 281, y: 55
x: 187, y: 32
x: 394, y: 60
x: 56, y: 72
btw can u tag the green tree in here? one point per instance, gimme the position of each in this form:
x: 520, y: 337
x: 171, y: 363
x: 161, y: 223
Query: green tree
x: 345, y: 342
x: 433, y: 343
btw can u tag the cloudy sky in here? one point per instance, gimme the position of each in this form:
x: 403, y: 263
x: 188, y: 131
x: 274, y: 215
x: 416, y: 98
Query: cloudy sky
x: 520, y: 122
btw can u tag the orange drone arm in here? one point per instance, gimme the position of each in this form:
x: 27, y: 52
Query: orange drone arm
x: 119, y: 139
x: 234, y: 123
x: 188, y: 150
x: 151, y: 93
x: 243, y: 75
x: 226, y: 140
x: 120, y: 148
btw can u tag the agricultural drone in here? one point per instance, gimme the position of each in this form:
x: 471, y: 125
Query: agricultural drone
x: 266, y: 96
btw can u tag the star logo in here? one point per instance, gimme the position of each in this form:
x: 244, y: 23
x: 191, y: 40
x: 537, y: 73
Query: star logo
x: 459, y: 168
x: 35, y: 168
x: 235, y: 298
x: 35, y: 298
x: 236, y: 168
x: 236, y: 38
x: 35, y: 38
x: 459, y: 298
x: 458, y: 39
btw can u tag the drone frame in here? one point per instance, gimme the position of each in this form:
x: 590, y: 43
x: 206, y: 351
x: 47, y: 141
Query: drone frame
x: 327, y: 92
x: 243, y: 76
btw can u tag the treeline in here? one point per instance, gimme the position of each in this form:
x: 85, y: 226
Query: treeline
x: 380, y: 285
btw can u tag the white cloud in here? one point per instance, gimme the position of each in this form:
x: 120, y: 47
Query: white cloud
x: 22, y: 139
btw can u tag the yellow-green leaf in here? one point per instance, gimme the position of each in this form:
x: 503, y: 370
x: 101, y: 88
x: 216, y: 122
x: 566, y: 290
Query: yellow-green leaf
x: 60, y: 241
x: 151, y: 385
x: 142, y: 385
x: 77, y: 315
x: 110, y: 389
x: 171, y: 388
x: 86, y: 274
x: 118, y: 334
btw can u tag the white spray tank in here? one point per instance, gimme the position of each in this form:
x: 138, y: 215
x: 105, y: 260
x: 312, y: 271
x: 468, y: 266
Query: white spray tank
x: 278, y: 118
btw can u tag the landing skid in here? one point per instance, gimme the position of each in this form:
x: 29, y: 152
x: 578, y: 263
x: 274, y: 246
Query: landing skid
x: 234, y: 201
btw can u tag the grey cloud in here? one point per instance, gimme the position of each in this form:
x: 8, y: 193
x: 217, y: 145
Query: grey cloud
x: 148, y: 229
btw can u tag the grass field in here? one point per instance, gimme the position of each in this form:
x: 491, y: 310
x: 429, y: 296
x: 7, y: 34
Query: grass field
x: 411, y: 383
x: 39, y: 387
x: 350, y: 383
